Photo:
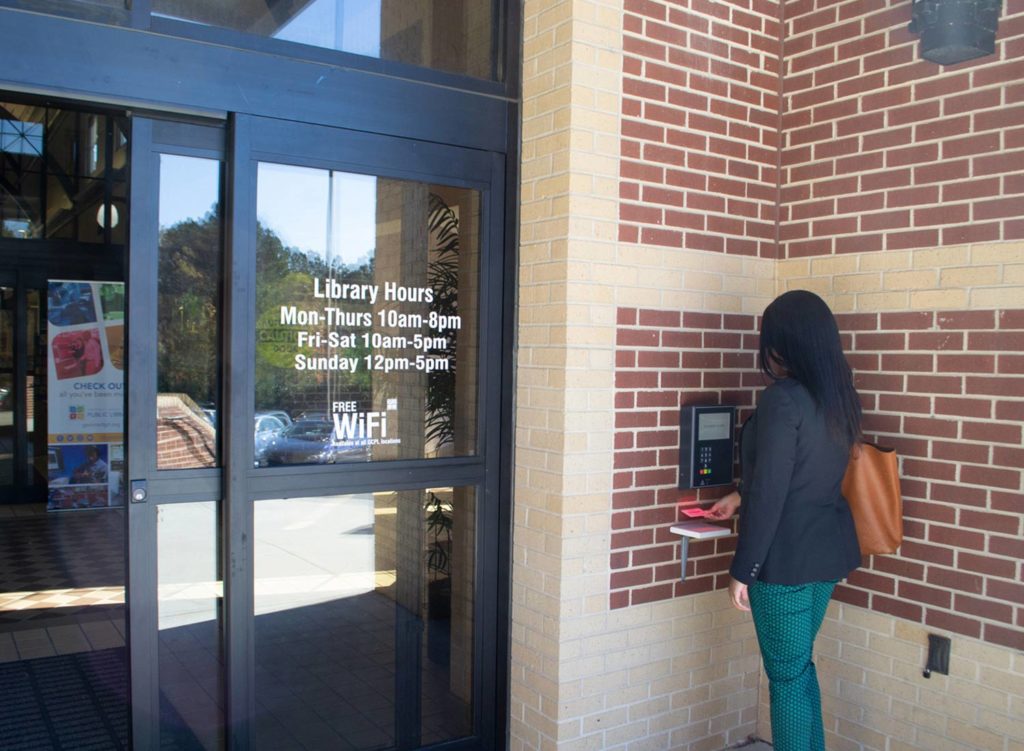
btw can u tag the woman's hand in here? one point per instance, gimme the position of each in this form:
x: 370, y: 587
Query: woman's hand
x: 738, y: 594
x: 725, y: 507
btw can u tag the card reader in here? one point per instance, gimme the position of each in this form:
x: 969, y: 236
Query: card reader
x: 706, y: 440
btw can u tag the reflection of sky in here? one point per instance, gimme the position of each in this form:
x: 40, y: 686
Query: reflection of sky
x: 347, y: 25
x: 22, y: 137
x: 189, y: 188
x: 352, y: 26
x: 292, y: 201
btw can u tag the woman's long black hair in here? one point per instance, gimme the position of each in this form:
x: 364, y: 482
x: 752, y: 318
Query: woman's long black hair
x: 799, y: 336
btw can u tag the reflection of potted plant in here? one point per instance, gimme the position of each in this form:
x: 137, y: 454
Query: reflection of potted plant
x: 439, y: 527
x: 443, y: 278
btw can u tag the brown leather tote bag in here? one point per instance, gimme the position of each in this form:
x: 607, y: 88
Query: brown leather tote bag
x: 872, y: 488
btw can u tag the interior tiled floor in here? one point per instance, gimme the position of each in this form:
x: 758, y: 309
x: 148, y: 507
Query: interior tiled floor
x: 61, y: 581
x: 63, y: 656
x: 74, y: 702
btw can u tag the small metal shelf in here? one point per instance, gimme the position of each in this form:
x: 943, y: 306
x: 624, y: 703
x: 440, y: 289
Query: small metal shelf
x: 697, y: 531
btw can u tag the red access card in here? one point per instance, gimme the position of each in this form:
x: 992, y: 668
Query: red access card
x: 696, y: 513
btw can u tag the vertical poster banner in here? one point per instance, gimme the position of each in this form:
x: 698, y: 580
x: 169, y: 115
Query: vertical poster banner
x: 85, y: 394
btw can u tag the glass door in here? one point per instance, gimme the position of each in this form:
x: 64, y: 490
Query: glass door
x: 315, y: 407
x: 8, y: 378
x: 364, y: 338
x: 174, y: 457
x: 23, y: 388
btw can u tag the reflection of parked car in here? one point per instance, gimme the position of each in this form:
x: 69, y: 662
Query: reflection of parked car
x: 314, y: 442
x: 266, y: 427
x: 280, y: 414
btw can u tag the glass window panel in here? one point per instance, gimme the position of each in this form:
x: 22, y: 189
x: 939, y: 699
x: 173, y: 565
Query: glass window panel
x: 125, y: 4
x: 188, y: 310
x: 21, y: 143
x: 366, y: 316
x: 454, y: 35
x: 21, y: 203
x: 79, y: 215
x: 120, y: 144
x: 365, y: 619
x: 118, y: 210
x: 190, y: 598
x: 94, y: 10
x: 35, y: 389
x: 21, y: 137
x: 65, y: 143
x: 110, y: 12
x: 7, y: 376
x: 59, y: 171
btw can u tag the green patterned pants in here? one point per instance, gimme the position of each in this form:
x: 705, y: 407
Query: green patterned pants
x: 787, y: 619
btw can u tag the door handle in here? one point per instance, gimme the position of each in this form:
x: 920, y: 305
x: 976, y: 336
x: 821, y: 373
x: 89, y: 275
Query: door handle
x: 139, y: 491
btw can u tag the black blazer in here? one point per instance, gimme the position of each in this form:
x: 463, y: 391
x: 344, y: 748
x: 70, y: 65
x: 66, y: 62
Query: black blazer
x: 795, y: 526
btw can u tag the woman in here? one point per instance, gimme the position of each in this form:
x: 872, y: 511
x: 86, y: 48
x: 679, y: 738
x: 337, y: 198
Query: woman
x: 796, y: 534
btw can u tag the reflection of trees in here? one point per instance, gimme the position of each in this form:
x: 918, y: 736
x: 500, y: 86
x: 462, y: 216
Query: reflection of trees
x: 189, y: 318
x: 284, y: 276
x: 188, y: 306
x: 189, y: 323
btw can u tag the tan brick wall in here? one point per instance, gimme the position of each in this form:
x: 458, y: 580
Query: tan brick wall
x: 985, y: 276
x: 875, y: 698
x: 679, y: 674
x: 568, y: 194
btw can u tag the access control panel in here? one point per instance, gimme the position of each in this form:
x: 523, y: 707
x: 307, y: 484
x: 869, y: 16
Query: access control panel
x: 706, y: 440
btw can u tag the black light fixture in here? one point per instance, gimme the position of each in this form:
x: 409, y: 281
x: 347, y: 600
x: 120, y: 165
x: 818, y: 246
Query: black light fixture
x: 955, y: 30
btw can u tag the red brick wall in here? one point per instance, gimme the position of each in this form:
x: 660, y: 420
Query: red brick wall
x: 184, y: 440
x: 883, y: 150
x: 878, y: 149
x: 666, y: 359
x: 809, y: 129
x: 700, y: 125
x: 946, y: 389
